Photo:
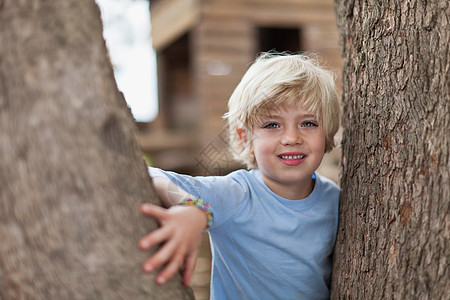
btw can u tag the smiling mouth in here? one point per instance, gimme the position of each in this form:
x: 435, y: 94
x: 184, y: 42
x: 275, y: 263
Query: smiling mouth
x: 291, y: 157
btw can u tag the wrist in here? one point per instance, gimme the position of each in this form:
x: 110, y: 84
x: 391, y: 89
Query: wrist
x: 202, y: 205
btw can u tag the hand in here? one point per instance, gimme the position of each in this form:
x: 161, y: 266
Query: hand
x: 181, y: 230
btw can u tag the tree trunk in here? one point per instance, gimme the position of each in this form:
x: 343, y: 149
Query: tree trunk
x: 71, y: 174
x: 393, y: 239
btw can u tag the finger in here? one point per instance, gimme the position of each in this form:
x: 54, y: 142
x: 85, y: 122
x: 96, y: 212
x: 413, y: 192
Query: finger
x: 154, y: 238
x: 162, y: 256
x: 189, y: 267
x: 155, y: 211
x: 172, y: 267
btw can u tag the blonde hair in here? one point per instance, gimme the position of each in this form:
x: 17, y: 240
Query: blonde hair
x: 274, y: 80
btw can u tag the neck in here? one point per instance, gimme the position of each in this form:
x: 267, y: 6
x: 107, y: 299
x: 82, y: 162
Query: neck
x: 295, y: 191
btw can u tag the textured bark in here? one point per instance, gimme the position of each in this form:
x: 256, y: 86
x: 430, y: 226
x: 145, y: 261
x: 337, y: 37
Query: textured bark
x: 71, y: 174
x: 393, y: 239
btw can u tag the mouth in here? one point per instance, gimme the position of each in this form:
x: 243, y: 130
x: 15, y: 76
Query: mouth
x: 291, y: 157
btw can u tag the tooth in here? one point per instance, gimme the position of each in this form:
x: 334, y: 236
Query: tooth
x: 292, y: 156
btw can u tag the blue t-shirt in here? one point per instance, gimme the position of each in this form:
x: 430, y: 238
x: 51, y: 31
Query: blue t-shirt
x: 265, y: 246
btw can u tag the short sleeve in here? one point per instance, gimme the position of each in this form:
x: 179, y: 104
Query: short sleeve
x: 225, y: 194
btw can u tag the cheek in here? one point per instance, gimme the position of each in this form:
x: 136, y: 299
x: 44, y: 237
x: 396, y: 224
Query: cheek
x: 262, y: 148
x: 320, y: 145
x: 256, y: 147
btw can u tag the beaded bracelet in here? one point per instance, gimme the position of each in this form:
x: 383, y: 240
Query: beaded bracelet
x: 203, y: 206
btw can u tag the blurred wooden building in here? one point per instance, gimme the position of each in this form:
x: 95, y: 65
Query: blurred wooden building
x: 203, y: 48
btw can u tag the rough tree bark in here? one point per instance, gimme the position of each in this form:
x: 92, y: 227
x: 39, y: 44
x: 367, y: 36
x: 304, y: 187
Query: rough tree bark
x: 393, y: 239
x: 71, y: 174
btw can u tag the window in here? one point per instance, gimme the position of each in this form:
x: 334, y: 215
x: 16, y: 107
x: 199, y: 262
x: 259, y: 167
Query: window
x: 279, y: 39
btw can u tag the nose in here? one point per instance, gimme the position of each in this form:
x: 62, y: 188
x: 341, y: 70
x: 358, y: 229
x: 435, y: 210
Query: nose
x: 291, y: 137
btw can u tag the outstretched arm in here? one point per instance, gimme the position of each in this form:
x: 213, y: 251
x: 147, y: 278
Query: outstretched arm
x: 181, y: 230
x: 169, y: 193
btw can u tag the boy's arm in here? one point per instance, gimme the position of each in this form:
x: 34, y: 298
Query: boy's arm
x: 181, y: 230
x: 169, y: 193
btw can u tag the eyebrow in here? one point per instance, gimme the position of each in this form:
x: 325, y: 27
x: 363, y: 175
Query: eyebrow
x: 275, y: 116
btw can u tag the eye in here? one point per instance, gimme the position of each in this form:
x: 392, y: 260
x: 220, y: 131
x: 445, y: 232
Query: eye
x: 271, y: 125
x: 309, y: 124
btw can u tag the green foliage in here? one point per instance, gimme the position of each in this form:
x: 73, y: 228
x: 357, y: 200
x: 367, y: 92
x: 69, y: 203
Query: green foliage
x: 147, y: 159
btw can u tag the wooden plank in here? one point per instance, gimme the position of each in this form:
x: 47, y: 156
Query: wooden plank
x: 235, y: 75
x: 226, y: 45
x: 317, y: 37
x: 316, y: 3
x: 218, y: 108
x: 159, y: 141
x: 233, y: 51
x: 278, y: 3
x: 213, y: 118
x: 271, y: 12
x: 229, y: 40
x: 225, y: 25
x: 219, y: 97
x: 220, y: 33
x: 236, y: 53
x: 172, y: 18
x: 232, y: 57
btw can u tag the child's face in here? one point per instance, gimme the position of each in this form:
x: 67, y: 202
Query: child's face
x: 288, y: 145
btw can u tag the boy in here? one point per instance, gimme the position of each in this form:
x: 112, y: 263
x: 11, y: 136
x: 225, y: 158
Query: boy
x: 273, y: 228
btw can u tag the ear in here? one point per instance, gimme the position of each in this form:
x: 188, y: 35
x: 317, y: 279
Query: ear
x: 242, y: 135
